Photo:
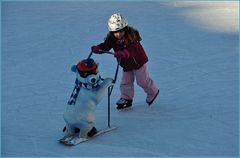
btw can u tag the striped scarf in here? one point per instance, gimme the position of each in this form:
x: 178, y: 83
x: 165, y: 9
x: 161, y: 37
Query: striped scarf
x: 74, y: 95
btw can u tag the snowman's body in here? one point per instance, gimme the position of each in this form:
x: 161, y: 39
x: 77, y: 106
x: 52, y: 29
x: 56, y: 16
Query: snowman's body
x: 81, y: 114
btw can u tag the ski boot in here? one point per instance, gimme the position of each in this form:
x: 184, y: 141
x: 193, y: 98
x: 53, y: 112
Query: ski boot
x: 123, y: 103
x: 76, y: 130
x: 92, y: 132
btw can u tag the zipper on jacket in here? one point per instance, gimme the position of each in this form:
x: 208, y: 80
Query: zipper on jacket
x: 135, y: 61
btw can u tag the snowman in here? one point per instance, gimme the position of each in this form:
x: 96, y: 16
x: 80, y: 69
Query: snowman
x: 89, y: 90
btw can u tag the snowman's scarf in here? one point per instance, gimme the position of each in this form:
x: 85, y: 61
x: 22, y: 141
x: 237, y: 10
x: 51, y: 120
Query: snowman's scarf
x: 78, y: 86
x: 74, y: 95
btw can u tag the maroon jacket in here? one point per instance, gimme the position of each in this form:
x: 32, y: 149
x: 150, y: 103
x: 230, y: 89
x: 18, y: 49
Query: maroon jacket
x: 137, y: 55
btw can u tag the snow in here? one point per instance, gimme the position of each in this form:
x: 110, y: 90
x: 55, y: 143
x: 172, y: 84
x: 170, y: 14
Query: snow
x: 220, y: 16
x: 193, y: 62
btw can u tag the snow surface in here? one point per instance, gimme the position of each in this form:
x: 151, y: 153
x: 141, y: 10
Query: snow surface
x: 196, y: 69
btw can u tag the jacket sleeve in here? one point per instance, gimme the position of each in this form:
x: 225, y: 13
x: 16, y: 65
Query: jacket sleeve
x: 106, y: 45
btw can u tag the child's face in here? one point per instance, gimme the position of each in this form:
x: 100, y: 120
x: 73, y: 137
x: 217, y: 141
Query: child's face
x: 119, y: 34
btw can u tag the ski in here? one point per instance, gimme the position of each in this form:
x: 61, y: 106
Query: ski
x: 73, y: 140
x: 66, y: 138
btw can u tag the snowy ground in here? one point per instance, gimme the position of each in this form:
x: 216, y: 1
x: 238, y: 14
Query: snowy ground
x: 195, y: 65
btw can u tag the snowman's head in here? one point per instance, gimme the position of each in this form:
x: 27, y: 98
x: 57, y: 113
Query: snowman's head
x: 87, y: 73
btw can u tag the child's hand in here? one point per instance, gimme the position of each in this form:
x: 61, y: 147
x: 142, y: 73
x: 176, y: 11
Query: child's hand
x: 121, y: 54
x: 95, y: 49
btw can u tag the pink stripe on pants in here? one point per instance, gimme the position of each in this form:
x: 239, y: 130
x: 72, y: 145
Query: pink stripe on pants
x: 143, y: 80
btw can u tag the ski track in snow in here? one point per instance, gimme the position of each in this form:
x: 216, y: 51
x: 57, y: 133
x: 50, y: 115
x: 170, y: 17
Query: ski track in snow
x: 196, y: 69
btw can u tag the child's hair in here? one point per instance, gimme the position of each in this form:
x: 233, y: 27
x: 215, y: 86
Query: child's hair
x: 131, y: 35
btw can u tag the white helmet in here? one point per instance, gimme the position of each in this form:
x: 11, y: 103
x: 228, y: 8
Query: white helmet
x: 116, y: 22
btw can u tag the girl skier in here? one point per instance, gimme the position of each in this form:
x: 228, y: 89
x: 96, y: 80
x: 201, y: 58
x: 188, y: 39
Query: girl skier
x: 125, y: 41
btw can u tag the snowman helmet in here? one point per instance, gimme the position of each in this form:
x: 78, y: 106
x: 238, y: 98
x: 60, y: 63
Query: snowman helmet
x: 87, y: 73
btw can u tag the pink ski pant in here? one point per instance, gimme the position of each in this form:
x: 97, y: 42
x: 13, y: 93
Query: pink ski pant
x: 143, y: 80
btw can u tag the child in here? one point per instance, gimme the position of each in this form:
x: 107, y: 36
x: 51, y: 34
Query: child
x: 125, y: 41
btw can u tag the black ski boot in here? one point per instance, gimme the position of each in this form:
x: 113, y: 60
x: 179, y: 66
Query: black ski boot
x: 123, y: 103
x: 76, y: 130
x: 92, y: 132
